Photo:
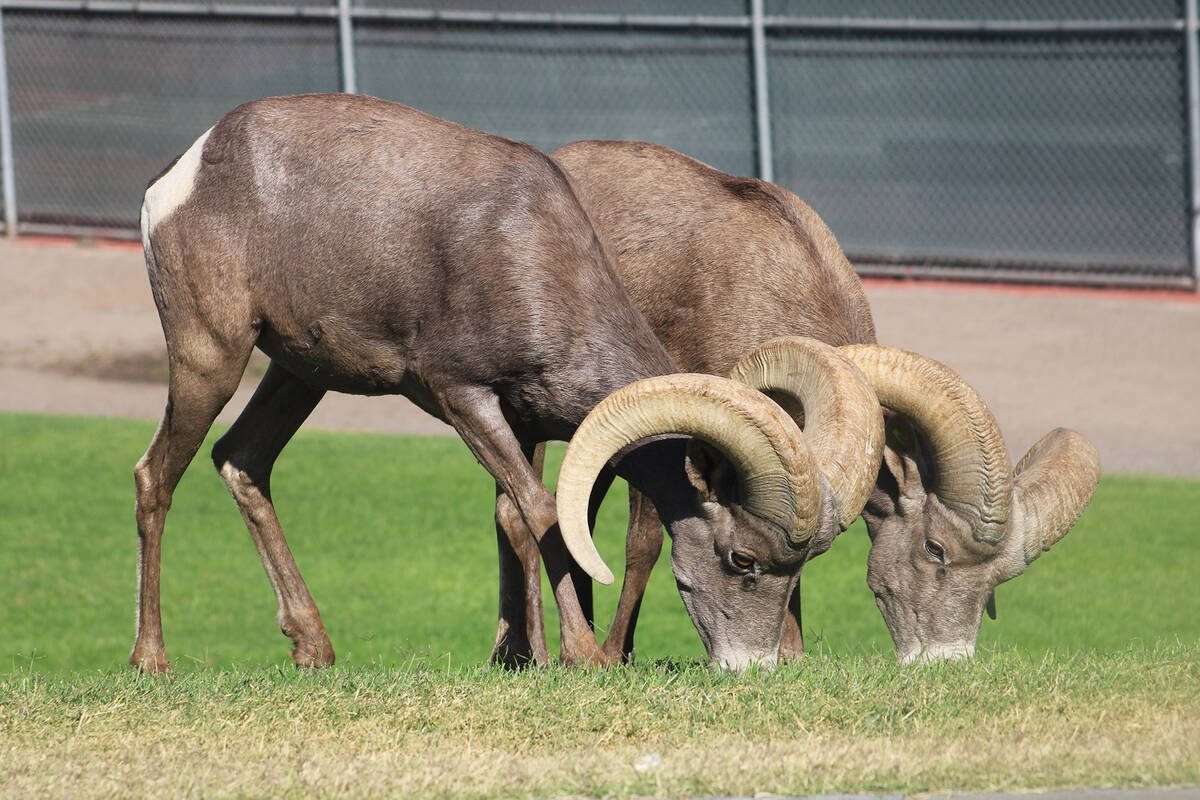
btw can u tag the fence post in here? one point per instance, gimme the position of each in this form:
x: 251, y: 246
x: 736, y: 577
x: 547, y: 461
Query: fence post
x: 6, y: 145
x: 762, y: 96
x: 346, y: 47
x: 1193, y: 133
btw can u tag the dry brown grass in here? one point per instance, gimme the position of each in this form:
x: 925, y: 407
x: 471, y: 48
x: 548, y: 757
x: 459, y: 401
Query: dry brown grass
x: 854, y: 725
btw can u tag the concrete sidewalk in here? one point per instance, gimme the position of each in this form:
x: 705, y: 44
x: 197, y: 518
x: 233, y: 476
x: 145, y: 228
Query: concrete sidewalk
x: 1071, y: 794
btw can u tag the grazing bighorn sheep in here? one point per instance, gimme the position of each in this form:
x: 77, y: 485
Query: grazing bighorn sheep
x: 719, y: 265
x: 369, y: 248
x: 950, y: 518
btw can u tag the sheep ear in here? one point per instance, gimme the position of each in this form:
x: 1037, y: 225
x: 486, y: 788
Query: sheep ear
x: 1053, y: 483
x: 760, y: 441
x: 904, y: 459
x: 710, y: 472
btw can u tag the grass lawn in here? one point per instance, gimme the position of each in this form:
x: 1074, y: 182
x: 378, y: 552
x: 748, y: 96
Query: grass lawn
x: 1088, y: 677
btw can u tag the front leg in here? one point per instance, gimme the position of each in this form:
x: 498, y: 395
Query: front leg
x: 521, y: 631
x: 643, y: 543
x: 791, y: 642
x: 583, y: 581
x: 475, y: 413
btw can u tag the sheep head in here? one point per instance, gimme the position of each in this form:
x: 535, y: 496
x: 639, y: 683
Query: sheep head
x: 759, y: 494
x: 949, y: 518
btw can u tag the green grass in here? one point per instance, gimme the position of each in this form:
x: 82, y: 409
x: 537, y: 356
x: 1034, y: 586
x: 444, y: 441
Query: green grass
x: 1090, y: 677
x: 395, y: 538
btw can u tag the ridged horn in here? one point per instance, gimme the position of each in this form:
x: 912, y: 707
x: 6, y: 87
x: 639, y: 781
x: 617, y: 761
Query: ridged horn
x: 776, y: 472
x: 972, y: 472
x: 843, y: 424
x: 1054, y: 482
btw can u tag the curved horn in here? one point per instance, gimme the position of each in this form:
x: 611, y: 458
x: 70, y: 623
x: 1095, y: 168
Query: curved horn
x: 776, y: 472
x: 1054, y: 483
x: 972, y: 472
x: 843, y: 424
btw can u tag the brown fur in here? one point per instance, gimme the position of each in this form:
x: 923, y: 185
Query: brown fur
x: 718, y: 265
x: 367, y: 247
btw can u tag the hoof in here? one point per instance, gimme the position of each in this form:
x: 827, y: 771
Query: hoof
x: 791, y: 641
x: 310, y: 644
x: 150, y: 663
x: 514, y: 655
x: 791, y: 648
x: 313, y: 655
x: 790, y: 654
x: 593, y: 658
x: 615, y: 654
x: 515, y: 649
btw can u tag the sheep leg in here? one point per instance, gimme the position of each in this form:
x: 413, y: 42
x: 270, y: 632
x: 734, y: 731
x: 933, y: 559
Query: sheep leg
x: 643, y: 543
x: 583, y: 581
x: 521, y: 580
x: 244, y: 457
x: 791, y: 642
x: 202, y: 379
x: 476, y: 414
x: 521, y: 631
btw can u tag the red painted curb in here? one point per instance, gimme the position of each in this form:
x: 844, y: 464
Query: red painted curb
x: 1149, y: 295
x: 48, y: 240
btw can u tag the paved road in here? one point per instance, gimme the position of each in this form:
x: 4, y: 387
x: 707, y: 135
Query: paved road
x: 79, y: 334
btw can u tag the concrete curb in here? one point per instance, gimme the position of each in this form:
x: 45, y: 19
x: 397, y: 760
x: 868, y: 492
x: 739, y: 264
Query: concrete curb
x: 1171, y: 793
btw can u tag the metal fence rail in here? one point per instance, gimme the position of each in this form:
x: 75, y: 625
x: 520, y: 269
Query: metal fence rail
x: 990, y: 139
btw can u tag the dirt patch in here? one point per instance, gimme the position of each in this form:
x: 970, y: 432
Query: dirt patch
x: 146, y: 367
x: 128, y: 367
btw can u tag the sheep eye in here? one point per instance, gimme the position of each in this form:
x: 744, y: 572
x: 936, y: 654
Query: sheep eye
x: 741, y: 561
x: 936, y: 550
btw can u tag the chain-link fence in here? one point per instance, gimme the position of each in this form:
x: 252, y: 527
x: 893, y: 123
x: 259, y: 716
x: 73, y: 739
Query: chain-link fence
x: 1009, y: 139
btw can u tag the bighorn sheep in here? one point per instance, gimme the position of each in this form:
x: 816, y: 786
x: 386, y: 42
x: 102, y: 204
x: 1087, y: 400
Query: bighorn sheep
x: 367, y: 247
x: 719, y: 265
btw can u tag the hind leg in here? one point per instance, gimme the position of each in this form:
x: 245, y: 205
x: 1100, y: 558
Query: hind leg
x: 244, y: 456
x: 203, y: 376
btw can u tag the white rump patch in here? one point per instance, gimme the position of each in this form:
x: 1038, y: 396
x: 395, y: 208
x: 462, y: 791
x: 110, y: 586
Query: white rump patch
x: 171, y: 190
